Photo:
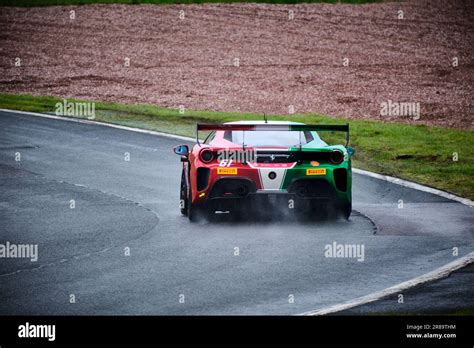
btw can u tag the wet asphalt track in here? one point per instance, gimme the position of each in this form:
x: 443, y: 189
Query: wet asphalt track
x: 134, y: 204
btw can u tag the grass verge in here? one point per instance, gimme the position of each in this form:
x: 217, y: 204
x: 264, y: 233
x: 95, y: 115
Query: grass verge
x: 418, y: 153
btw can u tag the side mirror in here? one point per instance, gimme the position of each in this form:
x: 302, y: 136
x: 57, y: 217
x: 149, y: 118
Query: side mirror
x: 350, y: 151
x: 181, y: 150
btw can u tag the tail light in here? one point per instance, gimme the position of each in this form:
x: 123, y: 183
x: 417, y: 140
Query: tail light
x: 336, y: 157
x: 206, y: 156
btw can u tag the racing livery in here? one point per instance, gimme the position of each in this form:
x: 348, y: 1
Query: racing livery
x: 257, y: 166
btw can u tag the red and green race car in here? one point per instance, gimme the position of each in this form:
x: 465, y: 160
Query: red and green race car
x: 265, y: 168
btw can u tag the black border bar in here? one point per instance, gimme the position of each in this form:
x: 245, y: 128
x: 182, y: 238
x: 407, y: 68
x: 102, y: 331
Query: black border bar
x: 287, y: 330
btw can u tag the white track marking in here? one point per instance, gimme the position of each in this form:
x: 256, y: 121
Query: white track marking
x: 438, y: 273
x: 80, y: 120
x: 415, y: 186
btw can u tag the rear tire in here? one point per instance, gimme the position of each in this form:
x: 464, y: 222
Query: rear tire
x: 183, y: 195
x: 195, y: 212
x: 345, y: 210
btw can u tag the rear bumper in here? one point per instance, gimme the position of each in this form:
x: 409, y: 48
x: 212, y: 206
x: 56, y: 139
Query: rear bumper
x: 332, y: 183
x: 302, y: 188
x: 301, y: 194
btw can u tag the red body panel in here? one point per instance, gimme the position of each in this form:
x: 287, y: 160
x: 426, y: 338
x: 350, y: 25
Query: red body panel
x: 243, y: 170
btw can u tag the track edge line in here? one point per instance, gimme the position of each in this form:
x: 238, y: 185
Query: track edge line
x: 436, y: 274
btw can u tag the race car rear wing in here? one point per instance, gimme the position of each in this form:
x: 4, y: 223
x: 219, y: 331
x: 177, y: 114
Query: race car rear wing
x: 273, y: 127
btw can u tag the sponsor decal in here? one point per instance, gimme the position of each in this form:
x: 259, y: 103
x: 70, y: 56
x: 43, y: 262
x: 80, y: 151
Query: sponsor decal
x: 314, y: 163
x: 318, y: 171
x: 227, y: 171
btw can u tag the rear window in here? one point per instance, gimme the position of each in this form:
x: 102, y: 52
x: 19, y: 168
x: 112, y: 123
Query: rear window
x: 269, y: 138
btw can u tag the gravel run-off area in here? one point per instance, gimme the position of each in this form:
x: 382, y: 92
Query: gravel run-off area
x: 250, y: 57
